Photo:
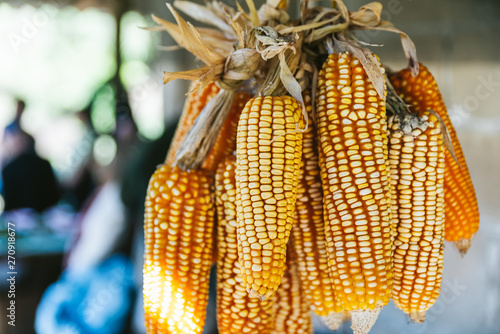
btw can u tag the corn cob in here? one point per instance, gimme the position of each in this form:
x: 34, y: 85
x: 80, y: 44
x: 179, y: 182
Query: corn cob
x: 236, y: 311
x: 225, y: 144
x: 417, y: 176
x: 308, y: 232
x: 178, y: 223
x: 194, y: 104
x: 352, y: 133
x: 291, y: 308
x: 462, y: 213
x: 268, y: 157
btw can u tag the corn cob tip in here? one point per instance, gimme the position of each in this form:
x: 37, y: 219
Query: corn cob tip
x: 333, y: 320
x: 363, y: 320
x: 254, y: 294
x: 417, y: 317
x: 463, y: 245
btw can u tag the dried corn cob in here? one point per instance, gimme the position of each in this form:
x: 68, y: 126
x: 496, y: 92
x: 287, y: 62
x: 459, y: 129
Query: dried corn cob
x: 352, y: 133
x: 178, y: 223
x: 194, y: 104
x: 291, y: 308
x: 268, y: 157
x: 309, y: 232
x: 225, y: 144
x: 417, y: 176
x: 462, y: 213
x: 236, y: 311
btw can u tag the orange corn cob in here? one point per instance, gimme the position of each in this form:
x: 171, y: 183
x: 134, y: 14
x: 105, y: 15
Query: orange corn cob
x: 225, y: 144
x: 462, y: 213
x: 353, y: 151
x: 417, y: 175
x: 309, y: 230
x: 237, y: 312
x: 268, y: 157
x: 291, y: 309
x: 178, y: 223
x: 194, y: 104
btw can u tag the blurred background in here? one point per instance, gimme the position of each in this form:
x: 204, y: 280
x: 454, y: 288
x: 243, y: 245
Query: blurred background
x: 85, y: 118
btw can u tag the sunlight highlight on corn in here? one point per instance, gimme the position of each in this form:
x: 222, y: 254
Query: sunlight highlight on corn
x: 178, y: 223
x: 237, y: 312
x: 268, y: 157
x: 417, y: 176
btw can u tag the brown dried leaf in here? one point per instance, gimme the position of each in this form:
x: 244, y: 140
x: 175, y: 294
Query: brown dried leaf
x: 408, y: 46
x: 370, y: 63
x: 307, y: 26
x: 270, y: 43
x: 195, y: 74
x: 446, y: 136
x: 269, y: 13
x: 325, y: 31
x: 241, y: 64
x: 367, y: 15
x: 292, y: 86
x: 191, y: 40
x: 253, y: 13
x: 342, y: 9
x: 238, y: 31
x: 203, y: 14
x: 200, y: 138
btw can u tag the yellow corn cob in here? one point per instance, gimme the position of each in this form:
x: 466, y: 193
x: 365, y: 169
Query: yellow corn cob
x: 309, y: 231
x: 237, y: 312
x: 178, y: 223
x: 225, y: 144
x: 417, y: 176
x: 268, y: 157
x: 462, y: 213
x: 291, y: 309
x: 194, y: 104
x: 352, y: 133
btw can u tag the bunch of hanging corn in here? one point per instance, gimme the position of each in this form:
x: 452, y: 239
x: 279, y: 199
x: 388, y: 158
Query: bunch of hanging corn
x: 333, y: 189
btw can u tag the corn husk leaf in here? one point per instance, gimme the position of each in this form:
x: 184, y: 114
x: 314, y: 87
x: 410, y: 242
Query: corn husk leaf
x: 367, y: 15
x: 253, y: 13
x: 446, y: 136
x: 343, y: 11
x: 203, y: 75
x: 216, y: 40
x: 320, y: 33
x: 238, y: 30
x: 370, y: 63
x: 408, y: 46
x: 270, y: 43
x: 293, y: 88
x: 169, y: 48
x: 307, y: 26
x: 189, y: 38
x: 267, y: 13
x: 241, y: 64
x: 201, y: 137
x: 203, y: 14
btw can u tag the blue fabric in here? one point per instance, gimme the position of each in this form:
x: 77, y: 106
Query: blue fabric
x: 91, y: 303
